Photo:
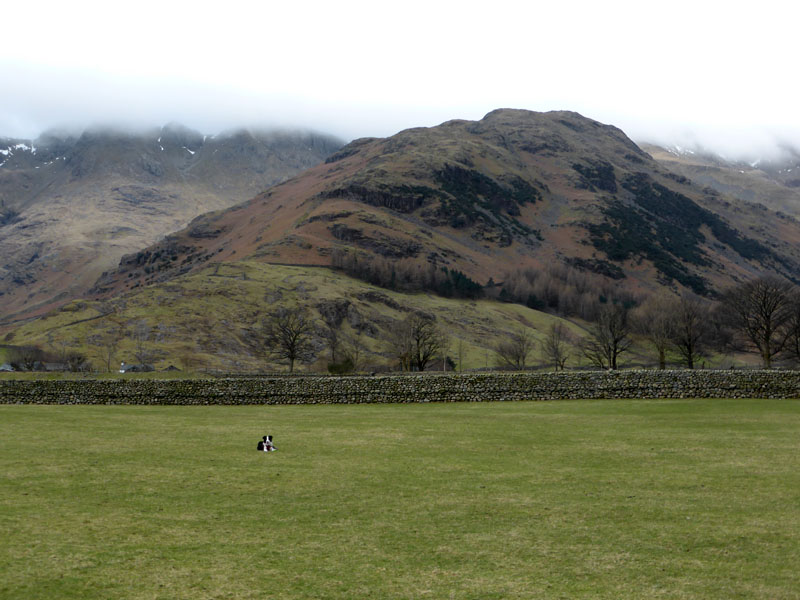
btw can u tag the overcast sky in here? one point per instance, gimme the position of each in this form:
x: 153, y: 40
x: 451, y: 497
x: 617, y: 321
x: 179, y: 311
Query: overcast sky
x: 722, y: 74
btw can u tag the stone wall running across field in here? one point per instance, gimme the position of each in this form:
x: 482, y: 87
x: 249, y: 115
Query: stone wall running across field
x: 472, y: 387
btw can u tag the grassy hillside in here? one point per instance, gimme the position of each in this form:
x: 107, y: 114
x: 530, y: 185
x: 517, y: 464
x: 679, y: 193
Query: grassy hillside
x: 201, y: 320
x: 568, y: 499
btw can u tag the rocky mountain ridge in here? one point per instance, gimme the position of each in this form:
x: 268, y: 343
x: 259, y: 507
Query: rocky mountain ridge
x: 72, y: 204
x: 517, y: 189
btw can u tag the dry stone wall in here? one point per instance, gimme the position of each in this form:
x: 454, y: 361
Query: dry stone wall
x: 472, y: 387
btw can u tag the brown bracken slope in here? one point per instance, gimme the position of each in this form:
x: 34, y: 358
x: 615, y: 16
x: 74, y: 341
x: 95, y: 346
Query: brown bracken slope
x: 515, y: 189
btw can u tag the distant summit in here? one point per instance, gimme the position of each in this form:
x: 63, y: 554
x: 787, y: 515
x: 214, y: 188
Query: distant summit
x: 72, y: 203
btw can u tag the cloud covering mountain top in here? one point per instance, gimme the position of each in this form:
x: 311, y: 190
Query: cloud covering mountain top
x: 684, y: 73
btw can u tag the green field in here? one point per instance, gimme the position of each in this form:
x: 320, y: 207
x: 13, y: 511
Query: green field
x: 572, y: 499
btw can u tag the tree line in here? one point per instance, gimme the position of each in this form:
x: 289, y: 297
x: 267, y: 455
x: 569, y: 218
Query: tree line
x: 761, y: 316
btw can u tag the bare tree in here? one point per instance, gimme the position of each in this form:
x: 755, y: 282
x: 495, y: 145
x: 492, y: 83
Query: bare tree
x: 143, y: 351
x: 759, y: 312
x: 513, y: 350
x: 555, y: 349
x: 691, y: 329
x: 77, y: 361
x: 26, y: 356
x: 444, y: 347
x: 287, y: 334
x: 354, y: 348
x: 608, y: 337
x: 654, y: 319
x: 792, y: 349
x: 417, y: 340
x: 109, y: 340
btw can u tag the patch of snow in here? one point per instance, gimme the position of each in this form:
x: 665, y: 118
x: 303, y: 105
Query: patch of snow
x: 25, y: 147
x: 189, y: 151
x: 159, y: 139
x: 755, y: 163
x: 741, y: 171
x: 6, y: 152
x: 162, y: 147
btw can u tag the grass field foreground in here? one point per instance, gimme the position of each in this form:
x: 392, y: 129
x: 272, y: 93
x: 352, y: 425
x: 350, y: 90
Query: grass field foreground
x: 578, y: 499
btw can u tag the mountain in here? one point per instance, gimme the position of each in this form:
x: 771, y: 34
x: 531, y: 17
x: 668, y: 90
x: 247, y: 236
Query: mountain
x: 517, y: 189
x: 774, y: 182
x: 72, y: 204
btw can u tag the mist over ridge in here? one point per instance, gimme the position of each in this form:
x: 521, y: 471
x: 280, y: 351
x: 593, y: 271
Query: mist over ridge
x: 747, y: 145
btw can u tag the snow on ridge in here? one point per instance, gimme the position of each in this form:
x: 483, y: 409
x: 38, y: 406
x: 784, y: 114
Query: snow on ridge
x: 21, y: 146
x: 189, y: 151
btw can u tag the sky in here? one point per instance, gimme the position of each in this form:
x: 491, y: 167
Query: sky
x: 718, y: 75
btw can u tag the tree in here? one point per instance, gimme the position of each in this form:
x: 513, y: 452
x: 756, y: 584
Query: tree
x: 76, y: 362
x: 759, y: 312
x: 654, y: 319
x: 26, y: 357
x: 354, y: 348
x: 608, y: 337
x: 555, y: 349
x: 460, y: 352
x: 793, y: 342
x: 691, y: 329
x: 109, y: 341
x: 332, y: 336
x: 143, y: 352
x: 287, y: 334
x: 416, y: 342
x: 513, y: 350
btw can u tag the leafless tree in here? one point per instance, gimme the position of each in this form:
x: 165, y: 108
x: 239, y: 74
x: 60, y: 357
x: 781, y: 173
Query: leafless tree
x: 143, y: 350
x: 26, y: 356
x: 77, y: 361
x: 416, y: 341
x: 332, y: 334
x: 792, y: 349
x: 654, y: 319
x: 514, y: 349
x: 354, y: 348
x: 287, y: 334
x: 444, y: 348
x: 691, y: 329
x: 759, y: 312
x: 555, y: 349
x: 109, y: 340
x: 609, y: 336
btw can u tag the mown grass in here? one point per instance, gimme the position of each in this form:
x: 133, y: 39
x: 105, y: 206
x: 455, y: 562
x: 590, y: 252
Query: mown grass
x: 580, y: 499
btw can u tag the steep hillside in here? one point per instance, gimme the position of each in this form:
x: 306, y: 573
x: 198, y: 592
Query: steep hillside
x: 71, y: 205
x: 515, y: 189
x: 774, y: 183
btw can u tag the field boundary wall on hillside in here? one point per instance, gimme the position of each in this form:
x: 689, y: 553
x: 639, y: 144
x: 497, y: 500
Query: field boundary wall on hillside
x: 471, y: 387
